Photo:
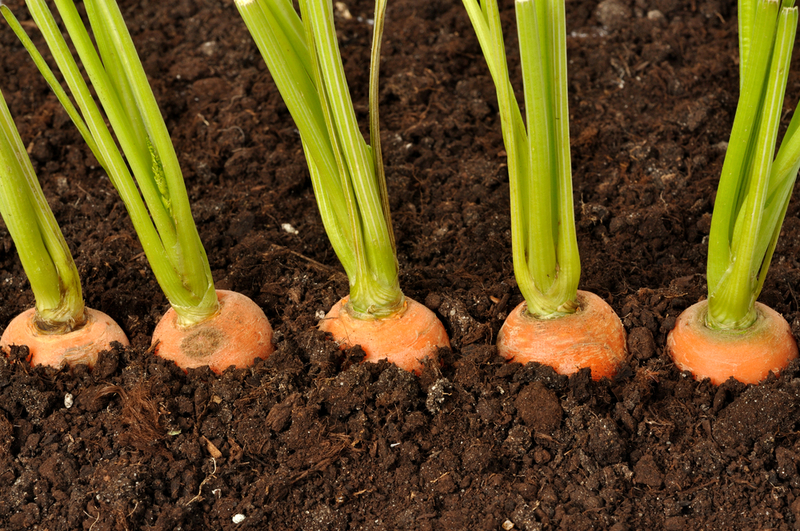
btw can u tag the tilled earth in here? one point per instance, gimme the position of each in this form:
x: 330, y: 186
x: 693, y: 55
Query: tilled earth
x: 310, y: 439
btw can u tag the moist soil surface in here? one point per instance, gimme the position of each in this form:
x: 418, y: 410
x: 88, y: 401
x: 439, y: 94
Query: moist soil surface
x: 311, y: 439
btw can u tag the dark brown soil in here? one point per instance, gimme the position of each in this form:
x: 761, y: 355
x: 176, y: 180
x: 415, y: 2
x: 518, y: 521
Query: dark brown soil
x: 310, y: 440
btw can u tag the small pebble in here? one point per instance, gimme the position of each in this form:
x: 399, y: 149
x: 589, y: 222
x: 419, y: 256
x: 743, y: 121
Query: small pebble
x: 208, y: 48
x: 68, y: 400
x: 613, y: 14
x: 238, y: 518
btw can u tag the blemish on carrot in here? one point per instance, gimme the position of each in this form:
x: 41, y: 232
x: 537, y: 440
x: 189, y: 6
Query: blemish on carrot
x: 200, y: 344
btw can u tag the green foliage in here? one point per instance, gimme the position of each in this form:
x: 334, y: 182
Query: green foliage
x: 754, y: 188
x: 42, y: 249
x: 156, y: 200
x: 543, y: 238
x: 303, y: 56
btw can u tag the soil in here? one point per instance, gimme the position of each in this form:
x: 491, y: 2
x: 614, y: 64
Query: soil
x: 310, y: 439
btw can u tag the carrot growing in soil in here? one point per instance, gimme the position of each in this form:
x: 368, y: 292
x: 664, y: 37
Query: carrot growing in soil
x: 59, y: 330
x: 204, y: 326
x: 348, y: 178
x: 730, y: 334
x: 557, y: 324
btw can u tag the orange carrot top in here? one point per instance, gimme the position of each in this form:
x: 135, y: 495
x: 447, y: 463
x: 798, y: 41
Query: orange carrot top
x: 347, y: 173
x: 152, y: 189
x: 59, y: 330
x: 156, y: 200
x: 752, y: 198
x: 543, y: 238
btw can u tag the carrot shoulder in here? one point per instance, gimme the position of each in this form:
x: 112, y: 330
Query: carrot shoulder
x: 405, y: 338
x: 236, y: 335
x: 591, y: 337
x: 748, y: 355
x: 78, y: 347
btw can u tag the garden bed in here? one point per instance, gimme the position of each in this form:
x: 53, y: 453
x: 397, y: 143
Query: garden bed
x: 309, y: 439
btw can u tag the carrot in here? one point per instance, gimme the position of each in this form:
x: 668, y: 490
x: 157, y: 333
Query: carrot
x: 557, y: 324
x: 749, y: 355
x: 236, y: 335
x: 729, y: 334
x: 591, y: 337
x: 148, y: 178
x: 405, y: 338
x: 82, y: 345
x: 348, y: 177
x: 59, y: 330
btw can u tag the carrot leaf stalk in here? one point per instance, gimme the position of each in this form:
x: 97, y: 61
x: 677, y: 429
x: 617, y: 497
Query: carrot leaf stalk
x: 347, y: 173
x: 59, y: 329
x: 752, y: 197
x: 156, y: 199
x: 543, y: 237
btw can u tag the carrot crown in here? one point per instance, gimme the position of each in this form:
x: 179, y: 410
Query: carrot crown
x: 754, y: 188
x: 347, y: 174
x: 42, y: 249
x: 543, y: 239
x: 161, y: 213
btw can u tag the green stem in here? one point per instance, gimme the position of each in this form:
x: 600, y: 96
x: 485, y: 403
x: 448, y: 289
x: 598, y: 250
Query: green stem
x: 374, y: 118
x: 747, y: 16
x: 375, y: 290
x: 189, y: 257
x: 288, y: 60
x: 43, y: 251
x: 347, y: 174
x: 536, y: 80
x: 543, y: 236
x: 753, y: 192
x: 163, y: 218
x: 569, y: 262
